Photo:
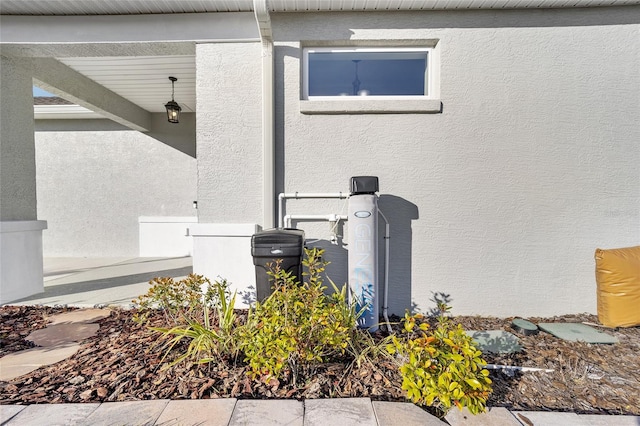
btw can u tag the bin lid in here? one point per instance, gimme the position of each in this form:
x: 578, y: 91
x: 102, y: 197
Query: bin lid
x: 278, y: 236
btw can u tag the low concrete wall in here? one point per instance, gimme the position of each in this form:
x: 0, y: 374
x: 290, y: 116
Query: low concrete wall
x: 21, y: 272
x: 166, y: 236
x: 223, y: 251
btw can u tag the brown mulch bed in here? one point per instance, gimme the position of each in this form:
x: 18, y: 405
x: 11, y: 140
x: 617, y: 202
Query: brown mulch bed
x: 16, y: 322
x: 123, y: 362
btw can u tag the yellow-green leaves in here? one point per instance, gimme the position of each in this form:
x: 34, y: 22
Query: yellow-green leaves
x: 298, y: 323
x: 440, y: 368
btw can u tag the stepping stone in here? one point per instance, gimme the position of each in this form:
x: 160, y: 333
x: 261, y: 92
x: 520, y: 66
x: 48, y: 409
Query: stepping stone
x: 81, y: 315
x: 339, y: 411
x: 577, y: 332
x: 549, y: 418
x: 54, y: 335
x: 212, y: 412
x: 496, y: 341
x: 268, y: 412
x: 525, y: 327
x: 126, y: 413
x: 9, y: 411
x: 403, y: 413
x: 53, y: 414
x: 602, y: 420
x: 495, y: 416
x: 19, y: 363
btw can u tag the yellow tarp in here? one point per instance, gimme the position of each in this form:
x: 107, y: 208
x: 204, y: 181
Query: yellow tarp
x: 618, y: 279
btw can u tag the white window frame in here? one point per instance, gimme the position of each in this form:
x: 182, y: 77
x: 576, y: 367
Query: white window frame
x: 371, y: 104
x: 429, y: 52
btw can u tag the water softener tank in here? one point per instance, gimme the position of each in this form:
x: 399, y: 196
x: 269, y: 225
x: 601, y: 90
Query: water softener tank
x: 363, y: 249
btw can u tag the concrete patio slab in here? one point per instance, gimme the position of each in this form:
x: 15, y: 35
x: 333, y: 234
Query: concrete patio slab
x: 268, y: 412
x: 339, y: 411
x: 129, y: 267
x: 9, y: 411
x: 495, y: 416
x: 403, y: 413
x: 58, y: 267
x: 126, y: 413
x: 19, y: 363
x: 60, y: 334
x: 212, y: 412
x: 86, y: 282
x: 86, y: 316
x: 53, y: 414
x: 603, y: 420
x: 547, y: 418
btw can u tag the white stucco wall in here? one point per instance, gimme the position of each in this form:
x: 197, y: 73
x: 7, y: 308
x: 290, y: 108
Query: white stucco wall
x: 228, y: 132
x: 96, y: 179
x: 229, y: 152
x: 500, y: 200
x: 17, y: 165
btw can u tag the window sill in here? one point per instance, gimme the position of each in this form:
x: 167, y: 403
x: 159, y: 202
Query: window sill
x: 371, y: 106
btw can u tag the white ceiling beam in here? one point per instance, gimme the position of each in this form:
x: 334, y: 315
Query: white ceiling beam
x: 177, y: 27
x: 58, y: 79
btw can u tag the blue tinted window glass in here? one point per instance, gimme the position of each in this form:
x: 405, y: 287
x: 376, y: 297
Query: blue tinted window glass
x: 367, y: 73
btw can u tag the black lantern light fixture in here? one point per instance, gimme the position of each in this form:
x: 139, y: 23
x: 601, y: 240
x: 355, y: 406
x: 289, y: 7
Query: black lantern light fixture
x: 173, y: 109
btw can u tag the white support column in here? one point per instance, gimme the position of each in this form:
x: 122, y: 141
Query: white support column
x: 20, y: 232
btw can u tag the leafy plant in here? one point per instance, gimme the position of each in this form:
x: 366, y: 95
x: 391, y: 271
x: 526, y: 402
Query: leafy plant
x: 298, y: 325
x: 179, y: 300
x: 442, y: 367
x: 207, y: 341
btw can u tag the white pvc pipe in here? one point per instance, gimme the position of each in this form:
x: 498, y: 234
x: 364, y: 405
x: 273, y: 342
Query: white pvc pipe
x: 516, y: 368
x: 311, y: 217
x: 263, y: 19
x: 300, y: 195
x: 385, y: 302
x: 332, y: 218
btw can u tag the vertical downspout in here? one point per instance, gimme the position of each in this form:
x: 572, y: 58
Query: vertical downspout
x: 261, y: 10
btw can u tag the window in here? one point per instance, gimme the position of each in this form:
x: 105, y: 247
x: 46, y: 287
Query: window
x: 370, y: 80
x: 374, y: 72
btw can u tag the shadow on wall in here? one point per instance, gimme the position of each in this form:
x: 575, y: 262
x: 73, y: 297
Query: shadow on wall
x: 337, y: 255
x: 399, y: 212
x: 181, y: 136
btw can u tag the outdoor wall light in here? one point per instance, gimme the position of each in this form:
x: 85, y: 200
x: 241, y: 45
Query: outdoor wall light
x: 173, y: 109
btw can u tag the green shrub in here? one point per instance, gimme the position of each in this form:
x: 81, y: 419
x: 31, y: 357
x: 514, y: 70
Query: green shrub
x: 298, y: 325
x: 191, y: 313
x: 441, y: 368
x: 179, y: 301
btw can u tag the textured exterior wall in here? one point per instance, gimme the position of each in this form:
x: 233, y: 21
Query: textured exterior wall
x: 228, y: 132
x: 17, y: 150
x: 500, y: 200
x: 94, y: 183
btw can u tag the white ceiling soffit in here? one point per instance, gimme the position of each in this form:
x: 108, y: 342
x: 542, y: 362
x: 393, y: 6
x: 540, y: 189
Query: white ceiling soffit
x: 143, y: 80
x: 136, y: 7
x: 65, y: 112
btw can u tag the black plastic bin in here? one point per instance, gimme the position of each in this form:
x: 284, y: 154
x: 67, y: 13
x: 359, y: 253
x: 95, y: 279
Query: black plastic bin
x: 272, y: 244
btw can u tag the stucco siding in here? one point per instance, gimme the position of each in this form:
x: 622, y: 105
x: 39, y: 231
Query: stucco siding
x: 500, y: 200
x: 95, y: 182
x: 228, y: 135
x: 17, y: 165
